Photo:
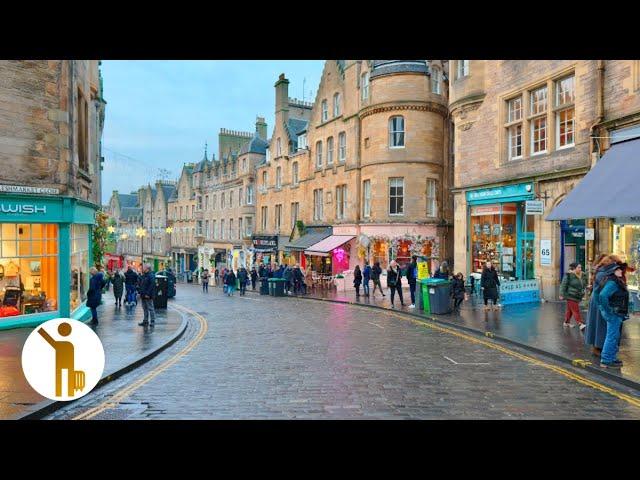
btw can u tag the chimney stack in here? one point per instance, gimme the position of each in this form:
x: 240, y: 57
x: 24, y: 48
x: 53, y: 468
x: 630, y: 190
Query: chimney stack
x: 261, y: 128
x: 282, y: 97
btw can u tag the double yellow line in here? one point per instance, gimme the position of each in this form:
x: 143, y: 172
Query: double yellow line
x: 559, y: 370
x: 125, y: 392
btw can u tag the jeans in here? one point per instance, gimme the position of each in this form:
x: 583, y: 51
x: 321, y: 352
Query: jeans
x: 149, y: 310
x: 230, y: 289
x: 205, y: 287
x: 412, y: 290
x: 94, y: 314
x: 131, y: 293
x: 365, y: 287
x: 243, y: 288
x: 394, y: 289
x: 610, y: 348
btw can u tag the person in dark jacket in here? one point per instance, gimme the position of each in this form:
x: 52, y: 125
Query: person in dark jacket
x: 457, y: 291
x: 366, y: 277
x: 94, y: 295
x: 130, y: 283
x: 118, y: 286
x: 262, y: 271
x: 442, y: 271
x: 412, y: 278
x: 243, y: 278
x: 230, y: 282
x: 357, y: 279
x: 394, y: 281
x: 298, y: 281
x: 613, y: 302
x: 147, y: 294
x: 254, y: 277
x: 489, y: 283
x: 205, y: 280
x: 287, y: 274
x: 572, y: 290
x: 376, y: 271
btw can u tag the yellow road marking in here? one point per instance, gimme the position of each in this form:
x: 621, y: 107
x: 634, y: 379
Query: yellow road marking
x: 125, y: 392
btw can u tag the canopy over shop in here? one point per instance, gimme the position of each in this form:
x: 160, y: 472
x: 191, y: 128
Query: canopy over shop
x: 296, y: 248
x: 330, y: 255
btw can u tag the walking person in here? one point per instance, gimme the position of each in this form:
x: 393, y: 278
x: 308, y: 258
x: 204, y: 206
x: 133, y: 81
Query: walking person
x: 130, y: 284
x: 118, y: 286
x: 94, y: 295
x: 243, y: 277
x: 230, y: 282
x: 216, y: 277
x: 613, y: 302
x: 254, y: 278
x: 457, y: 291
x: 489, y: 283
x: 596, y: 330
x: 412, y: 278
x: 394, y: 281
x: 287, y: 274
x: 572, y: 290
x: 205, y: 280
x: 147, y: 295
x: 376, y: 271
x: 357, y: 280
x: 366, y: 277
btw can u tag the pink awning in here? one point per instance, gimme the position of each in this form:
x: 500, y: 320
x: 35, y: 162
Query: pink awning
x: 324, y: 247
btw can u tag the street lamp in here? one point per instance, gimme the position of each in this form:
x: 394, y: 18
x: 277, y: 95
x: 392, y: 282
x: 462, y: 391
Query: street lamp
x: 141, y: 233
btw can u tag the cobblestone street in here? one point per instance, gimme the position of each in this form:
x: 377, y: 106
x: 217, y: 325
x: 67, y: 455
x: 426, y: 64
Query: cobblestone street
x: 285, y: 358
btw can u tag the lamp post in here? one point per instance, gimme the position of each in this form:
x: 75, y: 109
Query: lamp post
x: 141, y: 233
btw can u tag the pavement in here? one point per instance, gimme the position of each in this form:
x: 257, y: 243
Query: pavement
x: 260, y: 357
x: 536, y: 325
x: 125, y: 343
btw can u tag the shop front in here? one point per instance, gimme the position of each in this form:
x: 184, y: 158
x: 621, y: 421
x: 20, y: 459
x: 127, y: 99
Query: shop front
x: 265, y: 249
x: 331, y: 256
x: 572, y: 245
x: 294, y: 249
x: 626, y: 244
x: 45, y: 256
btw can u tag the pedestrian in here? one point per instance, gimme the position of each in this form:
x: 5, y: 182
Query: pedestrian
x: 366, y: 277
x: 572, y: 290
x: 94, y: 295
x: 243, y: 278
x: 262, y: 271
x: 298, y: 280
x: 287, y: 274
x: 230, y: 282
x: 596, y: 330
x: 130, y: 283
x: 205, y: 280
x: 613, y: 302
x: 489, y: 283
x: 357, y: 280
x: 376, y: 271
x: 457, y: 291
x: 216, y: 277
x: 254, y: 277
x: 442, y: 271
x: 118, y: 286
x: 147, y: 295
x: 394, y: 281
x: 412, y: 278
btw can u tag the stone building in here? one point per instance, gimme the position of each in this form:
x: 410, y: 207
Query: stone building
x: 51, y: 121
x: 125, y: 210
x: 527, y: 130
x: 181, y: 213
x: 157, y: 240
x: 368, y: 159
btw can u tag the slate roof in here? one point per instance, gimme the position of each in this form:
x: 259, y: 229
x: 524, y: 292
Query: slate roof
x: 129, y: 212
x: 295, y: 126
x: 168, y: 191
x: 127, y: 200
x: 388, y: 67
x: 255, y: 145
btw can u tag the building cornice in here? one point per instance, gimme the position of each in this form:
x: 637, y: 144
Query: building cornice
x: 399, y: 106
x: 470, y: 101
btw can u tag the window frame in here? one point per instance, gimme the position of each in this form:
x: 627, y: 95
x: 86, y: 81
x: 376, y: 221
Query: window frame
x: 330, y: 143
x: 324, y: 111
x: 319, y: 154
x: 436, y: 81
x: 364, y: 86
x: 366, y: 198
x: 294, y: 174
x: 393, y: 133
x: 432, y: 201
x: 392, y: 179
x: 342, y: 147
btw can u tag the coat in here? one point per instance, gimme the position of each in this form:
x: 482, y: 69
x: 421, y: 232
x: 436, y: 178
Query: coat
x: 94, y: 295
x: 131, y: 278
x: 457, y: 288
x: 243, y: 276
x: 366, y: 273
x: 394, y: 278
x: 376, y: 272
x: 411, y: 273
x: 572, y: 287
x: 490, y: 282
x: 357, y: 278
x: 596, y: 330
x: 230, y: 279
x: 118, y: 284
x: 148, y: 286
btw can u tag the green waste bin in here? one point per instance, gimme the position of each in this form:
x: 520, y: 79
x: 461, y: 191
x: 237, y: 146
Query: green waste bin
x: 439, y: 296
x: 424, y: 293
x: 264, y: 286
x: 278, y: 287
x: 272, y: 287
x: 419, y: 295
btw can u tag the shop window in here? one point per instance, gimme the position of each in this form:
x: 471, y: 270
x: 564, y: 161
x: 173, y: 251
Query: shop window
x: 28, y: 268
x: 79, y: 264
x: 626, y: 244
x: 493, y: 237
x: 380, y: 252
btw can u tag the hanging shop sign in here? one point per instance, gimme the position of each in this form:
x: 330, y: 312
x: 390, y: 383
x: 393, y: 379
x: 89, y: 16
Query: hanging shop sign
x: 503, y: 193
x: 26, y: 189
x: 534, y: 207
x: 545, y: 252
x: 589, y: 233
x: 261, y: 242
x: 22, y: 208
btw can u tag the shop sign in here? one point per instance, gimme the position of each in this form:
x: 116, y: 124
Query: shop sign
x: 534, y: 207
x: 25, y: 189
x: 265, y: 242
x: 589, y: 233
x: 627, y: 220
x: 500, y: 192
x: 545, y: 252
x: 22, y: 208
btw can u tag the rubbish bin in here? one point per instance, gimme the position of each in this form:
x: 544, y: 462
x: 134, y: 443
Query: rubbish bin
x: 424, y: 293
x: 264, y: 286
x: 162, y: 284
x: 272, y: 287
x: 439, y: 295
x: 278, y: 286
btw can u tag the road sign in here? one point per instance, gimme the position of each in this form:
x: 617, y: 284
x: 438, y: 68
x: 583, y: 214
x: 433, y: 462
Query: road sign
x: 534, y: 207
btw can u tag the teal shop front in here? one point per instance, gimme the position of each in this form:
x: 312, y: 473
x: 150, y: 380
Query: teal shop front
x: 498, y: 230
x: 45, y: 255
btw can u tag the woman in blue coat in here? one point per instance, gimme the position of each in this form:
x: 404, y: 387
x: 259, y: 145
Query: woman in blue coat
x: 94, y: 295
x: 596, y: 330
x: 613, y: 301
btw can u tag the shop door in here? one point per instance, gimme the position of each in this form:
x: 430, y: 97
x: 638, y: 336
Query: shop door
x: 527, y: 250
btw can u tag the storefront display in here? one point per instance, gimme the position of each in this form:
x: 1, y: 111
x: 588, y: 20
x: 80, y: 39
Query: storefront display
x: 626, y: 244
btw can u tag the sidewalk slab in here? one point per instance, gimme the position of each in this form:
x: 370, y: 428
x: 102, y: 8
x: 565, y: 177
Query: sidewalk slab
x: 125, y: 344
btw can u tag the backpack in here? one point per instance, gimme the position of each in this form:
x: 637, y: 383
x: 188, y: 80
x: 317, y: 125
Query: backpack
x: 619, y: 301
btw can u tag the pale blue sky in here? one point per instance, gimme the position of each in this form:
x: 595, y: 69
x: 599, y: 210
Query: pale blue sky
x: 160, y: 113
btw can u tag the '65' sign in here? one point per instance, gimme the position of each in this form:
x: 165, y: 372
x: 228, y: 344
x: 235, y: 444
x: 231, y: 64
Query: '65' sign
x: 545, y: 252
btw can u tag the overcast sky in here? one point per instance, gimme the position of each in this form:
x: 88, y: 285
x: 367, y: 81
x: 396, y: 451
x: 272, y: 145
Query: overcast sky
x: 160, y: 113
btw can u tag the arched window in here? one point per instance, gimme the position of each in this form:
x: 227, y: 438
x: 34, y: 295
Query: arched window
x: 330, y: 151
x: 396, y: 132
x: 319, y: 154
x: 294, y: 173
x: 336, y: 105
x: 325, y: 111
x: 279, y: 177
